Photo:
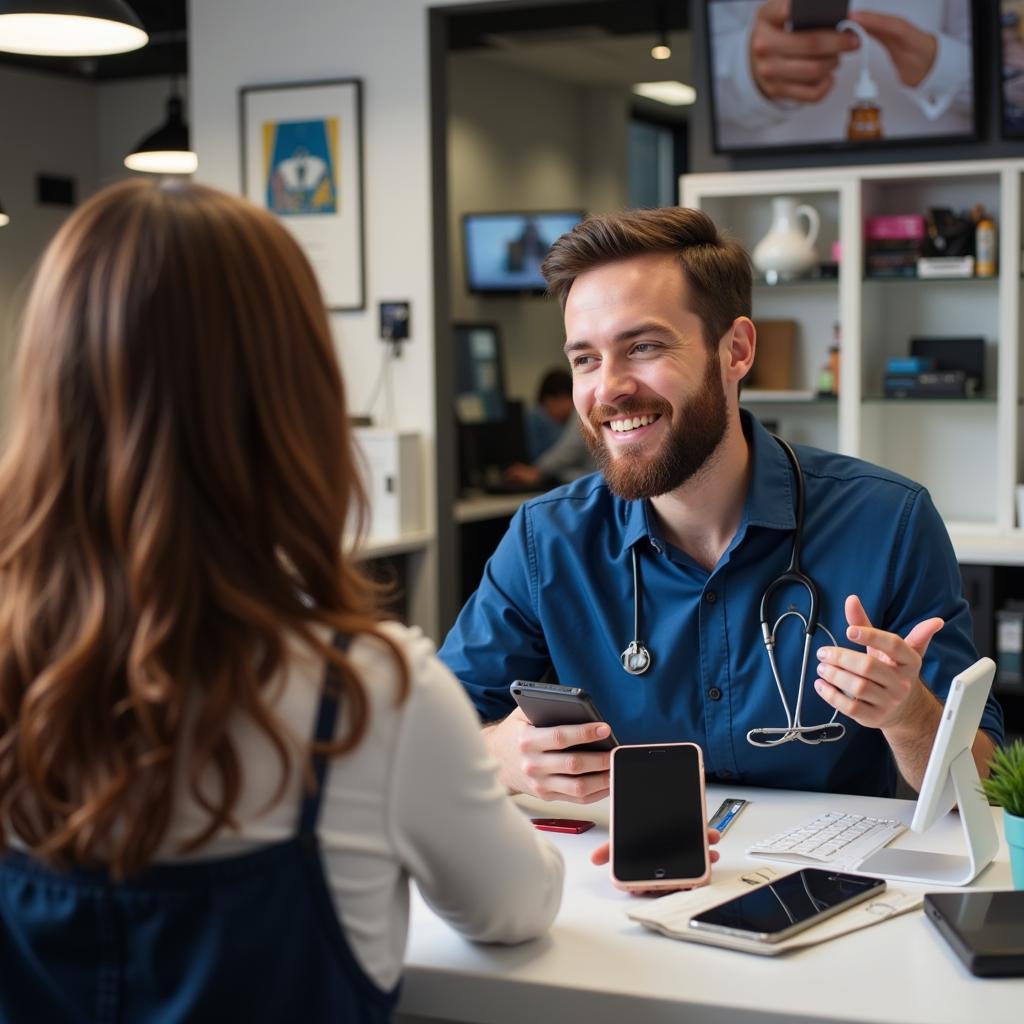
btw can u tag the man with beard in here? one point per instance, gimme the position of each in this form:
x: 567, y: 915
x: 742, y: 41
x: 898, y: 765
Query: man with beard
x: 668, y: 551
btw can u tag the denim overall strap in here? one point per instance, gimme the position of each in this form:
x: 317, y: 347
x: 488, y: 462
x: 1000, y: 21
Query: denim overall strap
x: 326, y: 719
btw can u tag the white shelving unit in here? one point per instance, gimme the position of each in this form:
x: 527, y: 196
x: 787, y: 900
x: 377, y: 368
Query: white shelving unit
x: 966, y: 451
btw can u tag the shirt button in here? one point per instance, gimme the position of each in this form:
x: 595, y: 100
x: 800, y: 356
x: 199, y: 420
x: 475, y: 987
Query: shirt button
x: 715, y: 693
x: 710, y: 596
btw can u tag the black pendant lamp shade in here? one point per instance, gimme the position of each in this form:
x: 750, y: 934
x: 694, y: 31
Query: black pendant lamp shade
x: 69, y: 28
x: 167, y: 150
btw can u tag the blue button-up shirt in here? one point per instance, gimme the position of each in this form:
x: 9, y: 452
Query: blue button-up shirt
x: 557, y: 595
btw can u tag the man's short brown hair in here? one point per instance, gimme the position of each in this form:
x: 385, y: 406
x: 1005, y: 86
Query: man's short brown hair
x: 716, y: 267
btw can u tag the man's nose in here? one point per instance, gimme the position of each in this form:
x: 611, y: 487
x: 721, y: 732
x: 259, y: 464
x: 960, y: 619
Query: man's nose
x: 616, y: 382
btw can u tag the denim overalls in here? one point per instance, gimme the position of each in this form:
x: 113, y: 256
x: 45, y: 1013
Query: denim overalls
x: 250, y: 938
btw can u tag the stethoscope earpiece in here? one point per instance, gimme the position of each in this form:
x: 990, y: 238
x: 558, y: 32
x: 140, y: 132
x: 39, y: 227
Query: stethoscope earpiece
x: 636, y: 659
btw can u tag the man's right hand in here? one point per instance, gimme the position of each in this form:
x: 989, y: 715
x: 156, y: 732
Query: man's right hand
x: 794, y: 65
x: 538, y: 761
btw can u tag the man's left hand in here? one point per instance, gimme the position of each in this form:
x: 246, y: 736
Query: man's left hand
x: 881, y: 687
x: 911, y: 50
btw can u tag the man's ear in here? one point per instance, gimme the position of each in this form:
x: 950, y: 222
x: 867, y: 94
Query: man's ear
x: 739, y: 345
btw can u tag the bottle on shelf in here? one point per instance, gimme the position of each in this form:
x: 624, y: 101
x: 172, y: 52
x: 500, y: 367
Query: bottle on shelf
x: 984, y: 244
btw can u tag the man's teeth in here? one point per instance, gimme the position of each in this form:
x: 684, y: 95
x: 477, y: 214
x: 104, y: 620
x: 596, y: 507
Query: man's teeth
x: 624, y: 426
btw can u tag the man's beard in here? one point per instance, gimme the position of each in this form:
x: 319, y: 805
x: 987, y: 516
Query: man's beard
x: 692, y: 439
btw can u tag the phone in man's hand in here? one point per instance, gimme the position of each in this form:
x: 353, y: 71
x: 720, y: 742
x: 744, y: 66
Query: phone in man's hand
x: 659, y: 834
x: 808, y: 14
x: 547, y: 704
x: 779, y: 909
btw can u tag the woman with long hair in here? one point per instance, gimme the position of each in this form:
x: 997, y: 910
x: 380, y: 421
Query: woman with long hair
x: 218, y: 767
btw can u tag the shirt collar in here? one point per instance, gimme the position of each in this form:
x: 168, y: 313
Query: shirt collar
x: 770, y: 499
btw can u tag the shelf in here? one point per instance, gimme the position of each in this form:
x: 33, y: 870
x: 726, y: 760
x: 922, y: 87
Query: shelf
x: 897, y: 279
x: 797, y: 282
x: 978, y: 400
x: 794, y: 397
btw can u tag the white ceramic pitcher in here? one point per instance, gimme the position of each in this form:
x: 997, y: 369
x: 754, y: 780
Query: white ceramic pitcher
x: 787, y: 251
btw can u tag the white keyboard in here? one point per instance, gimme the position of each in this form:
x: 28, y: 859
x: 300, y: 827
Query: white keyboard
x: 842, y: 840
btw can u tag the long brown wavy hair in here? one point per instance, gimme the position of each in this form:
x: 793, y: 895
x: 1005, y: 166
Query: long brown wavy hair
x: 173, y: 496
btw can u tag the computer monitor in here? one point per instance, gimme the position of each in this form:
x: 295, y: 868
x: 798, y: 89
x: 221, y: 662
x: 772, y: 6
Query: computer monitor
x: 950, y: 778
x: 504, y: 251
x: 479, y: 374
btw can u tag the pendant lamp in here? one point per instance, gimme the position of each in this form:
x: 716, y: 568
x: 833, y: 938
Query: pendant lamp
x: 165, y: 151
x: 4, y: 219
x: 69, y: 28
x: 661, y: 50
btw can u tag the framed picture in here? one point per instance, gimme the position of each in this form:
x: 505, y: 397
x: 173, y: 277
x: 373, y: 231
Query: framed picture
x: 1011, y: 46
x: 302, y: 159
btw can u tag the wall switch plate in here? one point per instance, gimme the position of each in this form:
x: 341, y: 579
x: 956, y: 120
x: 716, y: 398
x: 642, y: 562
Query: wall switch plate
x: 395, y: 322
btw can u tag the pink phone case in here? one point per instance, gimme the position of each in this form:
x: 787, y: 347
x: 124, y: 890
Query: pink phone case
x: 659, y: 884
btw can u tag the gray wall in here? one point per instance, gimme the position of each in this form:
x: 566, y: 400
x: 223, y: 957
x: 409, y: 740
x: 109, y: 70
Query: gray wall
x: 518, y: 140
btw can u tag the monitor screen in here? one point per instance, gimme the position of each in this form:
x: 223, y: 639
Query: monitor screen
x: 900, y: 71
x: 479, y: 374
x: 504, y: 251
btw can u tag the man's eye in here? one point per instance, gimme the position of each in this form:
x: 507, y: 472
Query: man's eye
x: 643, y: 347
x: 580, y: 362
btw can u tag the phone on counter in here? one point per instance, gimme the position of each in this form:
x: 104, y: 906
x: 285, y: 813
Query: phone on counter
x: 659, y: 836
x: 548, y: 704
x: 806, y: 14
x: 571, y: 826
x: 777, y: 910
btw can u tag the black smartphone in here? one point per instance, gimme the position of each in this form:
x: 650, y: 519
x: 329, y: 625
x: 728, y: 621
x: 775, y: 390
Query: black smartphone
x: 547, y: 704
x: 777, y: 910
x: 659, y: 835
x: 806, y: 14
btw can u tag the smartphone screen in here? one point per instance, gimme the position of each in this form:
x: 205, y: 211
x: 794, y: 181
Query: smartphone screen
x: 658, y: 813
x: 794, y: 902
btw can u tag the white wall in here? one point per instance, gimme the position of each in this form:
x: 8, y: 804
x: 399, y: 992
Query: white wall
x: 518, y: 140
x: 233, y: 43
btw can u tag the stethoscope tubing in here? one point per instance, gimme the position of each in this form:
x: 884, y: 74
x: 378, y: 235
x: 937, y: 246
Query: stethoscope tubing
x: 636, y: 658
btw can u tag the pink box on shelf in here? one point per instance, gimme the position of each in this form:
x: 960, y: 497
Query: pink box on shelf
x: 895, y: 227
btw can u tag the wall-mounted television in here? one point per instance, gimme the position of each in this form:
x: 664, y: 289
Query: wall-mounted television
x: 909, y: 76
x: 504, y: 251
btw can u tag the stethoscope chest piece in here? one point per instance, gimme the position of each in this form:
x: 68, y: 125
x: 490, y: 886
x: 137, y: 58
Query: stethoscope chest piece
x: 636, y: 659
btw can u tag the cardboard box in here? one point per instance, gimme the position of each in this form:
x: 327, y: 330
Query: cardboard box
x: 773, y: 362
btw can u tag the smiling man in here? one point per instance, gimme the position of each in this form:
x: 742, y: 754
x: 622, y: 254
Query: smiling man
x: 643, y: 584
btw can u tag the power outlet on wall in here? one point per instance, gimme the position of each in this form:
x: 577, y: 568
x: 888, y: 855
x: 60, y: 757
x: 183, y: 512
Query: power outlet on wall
x: 395, y: 321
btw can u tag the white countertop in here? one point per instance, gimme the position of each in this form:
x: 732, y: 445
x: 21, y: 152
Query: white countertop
x: 598, y: 967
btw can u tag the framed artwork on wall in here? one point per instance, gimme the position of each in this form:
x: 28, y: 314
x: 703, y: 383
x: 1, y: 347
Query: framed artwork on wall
x: 1011, y: 54
x: 302, y: 159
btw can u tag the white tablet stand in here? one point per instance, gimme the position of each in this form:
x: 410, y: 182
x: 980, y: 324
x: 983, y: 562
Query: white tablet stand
x: 950, y: 778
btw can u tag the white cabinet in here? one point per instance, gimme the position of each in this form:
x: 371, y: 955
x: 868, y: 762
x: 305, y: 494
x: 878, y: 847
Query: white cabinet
x: 966, y: 451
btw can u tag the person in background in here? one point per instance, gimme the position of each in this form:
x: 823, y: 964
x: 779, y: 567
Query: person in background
x: 545, y: 422
x: 212, y: 793
x: 557, y: 448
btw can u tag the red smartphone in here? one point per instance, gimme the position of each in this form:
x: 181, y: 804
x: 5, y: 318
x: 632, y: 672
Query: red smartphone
x: 574, y: 826
x: 659, y: 835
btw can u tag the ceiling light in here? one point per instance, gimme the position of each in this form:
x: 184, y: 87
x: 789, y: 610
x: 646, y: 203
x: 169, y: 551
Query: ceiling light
x: 675, y: 94
x: 167, y: 150
x: 661, y: 50
x: 69, y: 28
x: 4, y: 219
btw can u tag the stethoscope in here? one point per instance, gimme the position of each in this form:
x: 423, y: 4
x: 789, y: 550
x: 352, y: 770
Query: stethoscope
x: 636, y: 658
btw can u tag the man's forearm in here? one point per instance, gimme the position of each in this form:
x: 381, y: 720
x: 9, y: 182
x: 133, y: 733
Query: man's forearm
x: 911, y: 740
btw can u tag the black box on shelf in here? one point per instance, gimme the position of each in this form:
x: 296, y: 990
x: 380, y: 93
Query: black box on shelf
x: 932, y: 384
x: 954, y: 353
